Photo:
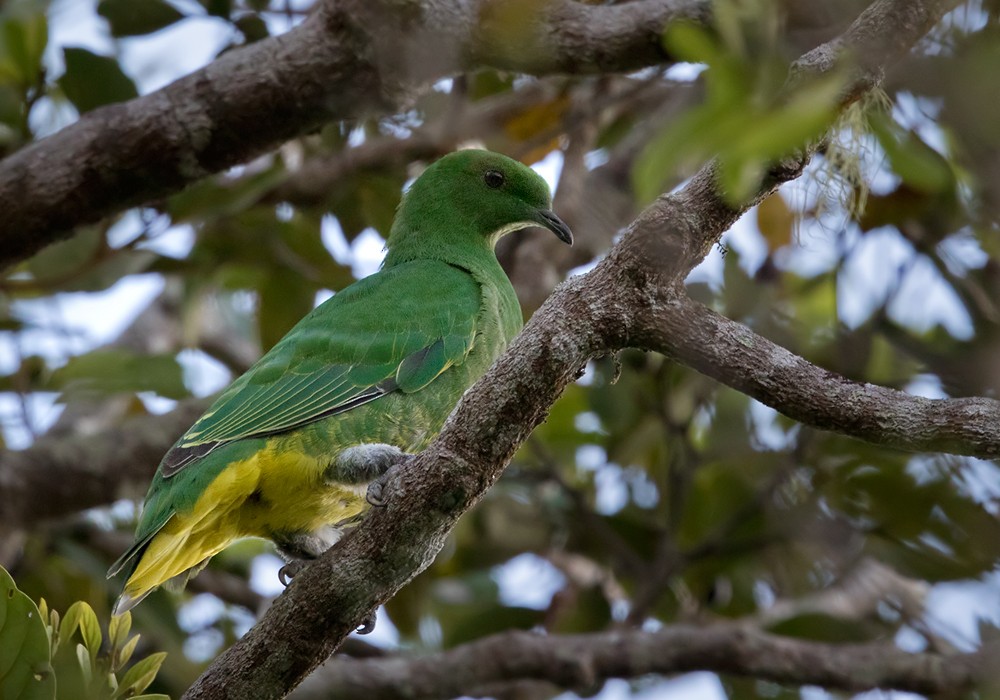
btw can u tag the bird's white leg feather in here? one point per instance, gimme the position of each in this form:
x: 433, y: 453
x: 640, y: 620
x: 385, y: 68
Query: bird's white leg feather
x: 363, y: 463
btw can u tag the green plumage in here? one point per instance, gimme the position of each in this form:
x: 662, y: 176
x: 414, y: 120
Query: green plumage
x: 286, y: 450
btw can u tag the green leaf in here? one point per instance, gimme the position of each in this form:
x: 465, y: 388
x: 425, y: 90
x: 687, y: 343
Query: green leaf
x: 213, y: 199
x: 118, y: 630
x: 127, y: 650
x: 253, y: 27
x: 285, y: 297
x: 920, y: 166
x: 86, y: 666
x: 132, y: 18
x: 821, y: 627
x: 25, y: 667
x: 691, y: 43
x: 119, y: 370
x: 64, y: 259
x: 11, y: 109
x: 23, y: 37
x: 218, y: 8
x: 91, y: 81
x: 81, y: 616
x: 140, y: 676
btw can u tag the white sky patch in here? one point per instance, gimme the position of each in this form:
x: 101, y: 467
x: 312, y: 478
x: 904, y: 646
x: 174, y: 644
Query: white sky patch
x: 88, y: 319
x: 174, y: 242
x: 981, y: 480
x: 766, y: 430
x: 611, y: 489
x: 368, y: 250
x: 156, y: 404
x: 41, y: 409
x: 926, y: 300
x: 745, y: 240
x: 926, y: 385
x: 870, y: 274
x: 913, y: 112
x: 550, y: 168
x: 334, y: 240
x: 685, y: 72
x: 75, y: 23
x: 264, y: 581
x: 962, y: 252
x: 956, y: 608
x: 528, y: 581
x: 690, y: 686
x: 203, y: 374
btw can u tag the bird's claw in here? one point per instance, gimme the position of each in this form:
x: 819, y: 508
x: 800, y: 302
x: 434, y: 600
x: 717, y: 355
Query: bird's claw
x: 376, y: 493
x: 290, y: 571
x: 368, y: 624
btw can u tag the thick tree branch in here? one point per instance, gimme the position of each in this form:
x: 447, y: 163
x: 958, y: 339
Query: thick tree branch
x: 586, y: 317
x: 583, y: 661
x: 733, y: 354
x: 68, y: 473
x: 330, y: 67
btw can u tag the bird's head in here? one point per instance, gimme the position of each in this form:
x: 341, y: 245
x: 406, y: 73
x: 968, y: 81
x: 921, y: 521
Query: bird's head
x: 474, y: 196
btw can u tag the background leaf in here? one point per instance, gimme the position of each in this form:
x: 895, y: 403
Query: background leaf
x: 91, y: 81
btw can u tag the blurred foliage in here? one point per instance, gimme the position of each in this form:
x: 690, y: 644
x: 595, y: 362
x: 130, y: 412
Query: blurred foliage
x: 651, y: 493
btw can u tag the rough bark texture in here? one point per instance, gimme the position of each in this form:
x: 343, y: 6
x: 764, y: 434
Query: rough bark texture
x: 330, y: 67
x: 733, y: 354
x: 612, y: 307
x: 584, y: 661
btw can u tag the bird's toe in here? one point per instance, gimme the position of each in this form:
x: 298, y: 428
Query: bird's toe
x: 290, y: 571
x: 368, y: 624
x: 375, y: 495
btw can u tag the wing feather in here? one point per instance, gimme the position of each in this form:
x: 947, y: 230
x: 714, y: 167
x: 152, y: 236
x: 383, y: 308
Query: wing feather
x: 394, y: 331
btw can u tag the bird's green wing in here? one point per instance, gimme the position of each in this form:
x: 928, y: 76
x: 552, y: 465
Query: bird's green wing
x: 394, y: 331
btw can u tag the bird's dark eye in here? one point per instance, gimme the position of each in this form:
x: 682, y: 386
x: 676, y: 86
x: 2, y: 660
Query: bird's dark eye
x: 494, y: 179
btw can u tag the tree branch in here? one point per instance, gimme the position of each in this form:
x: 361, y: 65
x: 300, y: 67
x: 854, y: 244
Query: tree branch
x: 585, y: 660
x: 332, y: 66
x: 734, y: 355
x: 69, y: 473
x: 586, y: 317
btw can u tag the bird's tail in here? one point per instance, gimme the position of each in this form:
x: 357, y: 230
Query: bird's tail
x: 174, y: 553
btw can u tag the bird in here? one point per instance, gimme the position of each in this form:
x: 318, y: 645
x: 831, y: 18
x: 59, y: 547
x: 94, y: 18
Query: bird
x: 297, y: 448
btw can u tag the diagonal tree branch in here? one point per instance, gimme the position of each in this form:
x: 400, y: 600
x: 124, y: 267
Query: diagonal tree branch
x: 586, y: 317
x: 343, y: 62
x: 582, y: 661
x: 734, y: 355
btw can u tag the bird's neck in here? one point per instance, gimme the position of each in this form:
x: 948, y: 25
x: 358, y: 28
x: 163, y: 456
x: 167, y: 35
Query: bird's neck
x: 469, y: 252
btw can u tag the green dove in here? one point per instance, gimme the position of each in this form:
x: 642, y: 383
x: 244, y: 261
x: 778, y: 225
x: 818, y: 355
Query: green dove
x: 288, y: 450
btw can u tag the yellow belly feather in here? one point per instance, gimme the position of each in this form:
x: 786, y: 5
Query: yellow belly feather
x: 277, y: 490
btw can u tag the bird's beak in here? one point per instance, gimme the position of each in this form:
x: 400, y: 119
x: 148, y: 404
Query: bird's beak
x: 553, y: 223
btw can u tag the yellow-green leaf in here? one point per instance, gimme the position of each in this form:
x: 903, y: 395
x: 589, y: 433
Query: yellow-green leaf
x: 139, y: 677
x: 127, y: 650
x: 775, y: 221
x: 118, y: 629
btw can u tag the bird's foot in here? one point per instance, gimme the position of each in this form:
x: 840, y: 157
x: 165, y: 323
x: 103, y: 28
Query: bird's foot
x: 377, y: 494
x: 290, y: 571
x: 368, y: 624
